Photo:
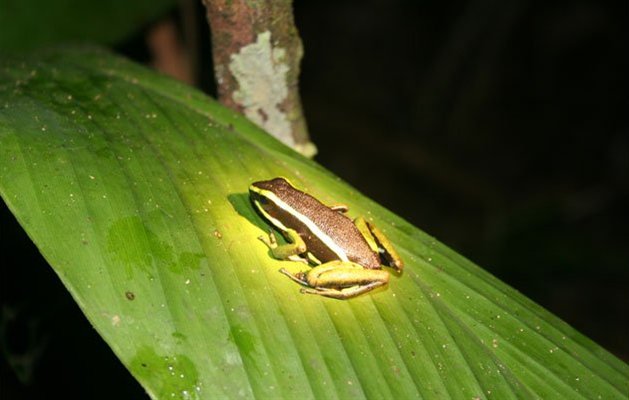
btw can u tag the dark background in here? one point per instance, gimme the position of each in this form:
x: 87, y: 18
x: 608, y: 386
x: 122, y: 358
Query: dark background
x: 500, y: 127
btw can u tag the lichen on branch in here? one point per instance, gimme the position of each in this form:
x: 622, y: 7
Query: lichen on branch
x: 260, y: 71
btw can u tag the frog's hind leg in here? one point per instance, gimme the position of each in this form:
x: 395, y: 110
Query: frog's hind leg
x: 380, y: 244
x: 345, y: 293
x: 339, y: 279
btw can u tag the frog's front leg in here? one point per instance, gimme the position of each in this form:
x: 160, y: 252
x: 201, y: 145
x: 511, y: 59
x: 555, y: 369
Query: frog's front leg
x: 339, y: 279
x: 290, y: 251
x: 380, y: 244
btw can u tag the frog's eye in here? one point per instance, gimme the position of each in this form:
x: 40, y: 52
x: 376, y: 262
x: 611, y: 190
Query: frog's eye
x: 264, y: 203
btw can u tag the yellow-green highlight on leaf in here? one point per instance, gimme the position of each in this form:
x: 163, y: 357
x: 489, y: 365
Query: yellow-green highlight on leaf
x: 134, y: 188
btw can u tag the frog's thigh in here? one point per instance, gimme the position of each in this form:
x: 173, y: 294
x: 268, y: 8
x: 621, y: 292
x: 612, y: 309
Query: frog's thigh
x: 344, y: 274
x: 345, y: 293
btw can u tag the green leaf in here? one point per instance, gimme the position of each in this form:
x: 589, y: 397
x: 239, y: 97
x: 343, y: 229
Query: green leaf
x: 134, y: 188
x: 28, y: 24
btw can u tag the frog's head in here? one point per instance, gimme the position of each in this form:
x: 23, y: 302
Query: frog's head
x: 269, y: 196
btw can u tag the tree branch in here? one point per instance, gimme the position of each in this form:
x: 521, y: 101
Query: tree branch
x: 257, y: 51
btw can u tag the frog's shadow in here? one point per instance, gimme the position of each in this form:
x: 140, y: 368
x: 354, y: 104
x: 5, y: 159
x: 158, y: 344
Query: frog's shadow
x: 241, y: 203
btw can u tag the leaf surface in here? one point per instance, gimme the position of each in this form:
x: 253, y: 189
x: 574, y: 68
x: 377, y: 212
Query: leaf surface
x: 134, y: 188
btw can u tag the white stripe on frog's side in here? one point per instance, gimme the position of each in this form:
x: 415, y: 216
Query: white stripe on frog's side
x: 268, y: 216
x: 327, y: 240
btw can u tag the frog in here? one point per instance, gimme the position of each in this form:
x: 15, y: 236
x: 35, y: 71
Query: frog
x: 346, y: 256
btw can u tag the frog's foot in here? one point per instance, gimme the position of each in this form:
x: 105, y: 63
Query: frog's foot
x: 299, y: 277
x: 269, y: 240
